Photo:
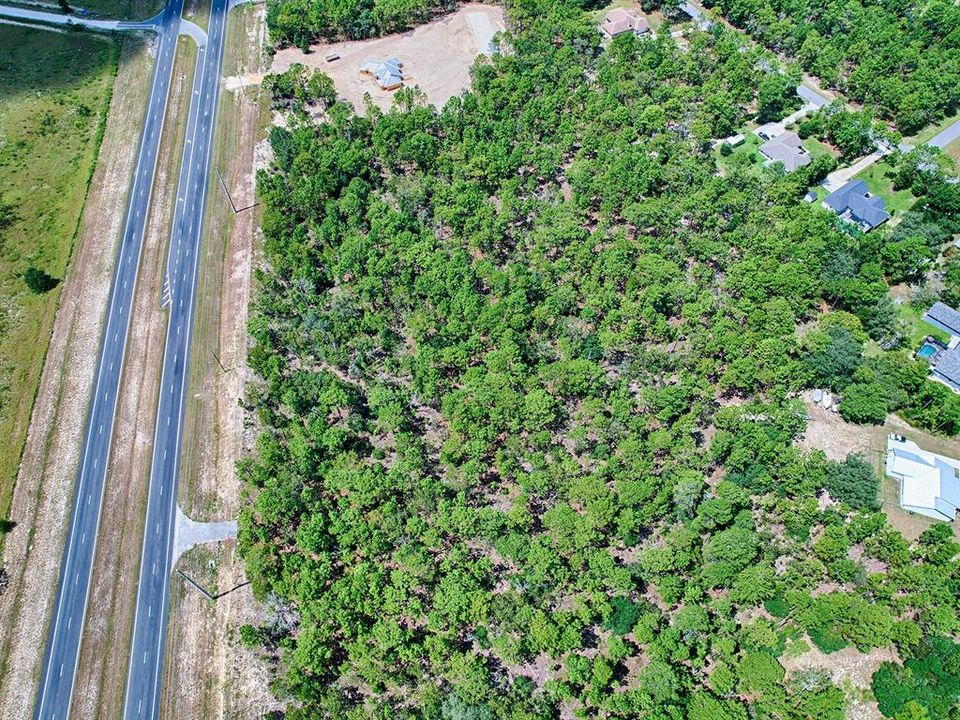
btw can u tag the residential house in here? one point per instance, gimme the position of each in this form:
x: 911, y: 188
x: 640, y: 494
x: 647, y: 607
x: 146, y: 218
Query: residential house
x: 854, y: 203
x: 929, y: 483
x: 944, y: 317
x: 620, y: 21
x: 786, y: 149
x: 945, y: 368
x: 388, y: 73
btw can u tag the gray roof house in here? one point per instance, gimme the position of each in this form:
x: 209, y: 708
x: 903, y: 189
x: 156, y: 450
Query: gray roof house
x: 785, y: 149
x: 947, y: 369
x: 695, y: 15
x: 944, y: 317
x: 854, y: 203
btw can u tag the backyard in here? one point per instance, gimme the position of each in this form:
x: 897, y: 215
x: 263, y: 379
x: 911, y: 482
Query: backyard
x: 879, y: 183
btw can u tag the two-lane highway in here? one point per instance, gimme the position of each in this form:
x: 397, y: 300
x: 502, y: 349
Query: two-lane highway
x: 66, y: 625
x: 149, y: 631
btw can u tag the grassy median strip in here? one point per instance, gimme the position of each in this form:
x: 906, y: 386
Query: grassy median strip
x: 102, y: 670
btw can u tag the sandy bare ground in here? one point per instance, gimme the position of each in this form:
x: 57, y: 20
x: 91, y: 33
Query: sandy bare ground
x: 102, y: 671
x: 849, y: 669
x: 829, y: 432
x: 49, y: 465
x: 436, y: 57
x: 207, y: 673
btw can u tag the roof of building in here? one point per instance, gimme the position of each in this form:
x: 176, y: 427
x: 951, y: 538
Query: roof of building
x: 619, y: 21
x: 930, y: 483
x: 944, y: 315
x: 854, y: 198
x: 695, y: 14
x: 786, y: 149
x: 387, y: 72
x: 948, y: 366
x: 387, y: 79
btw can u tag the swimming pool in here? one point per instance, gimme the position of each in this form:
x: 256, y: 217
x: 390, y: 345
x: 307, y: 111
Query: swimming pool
x: 927, y: 350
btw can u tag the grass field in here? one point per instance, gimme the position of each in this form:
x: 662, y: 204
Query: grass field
x: 120, y: 9
x: 875, y: 176
x: 54, y: 93
x: 744, y: 155
x: 817, y: 148
x: 953, y: 150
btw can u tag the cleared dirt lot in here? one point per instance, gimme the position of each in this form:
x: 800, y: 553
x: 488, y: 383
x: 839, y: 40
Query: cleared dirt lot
x: 436, y: 57
x: 850, y: 669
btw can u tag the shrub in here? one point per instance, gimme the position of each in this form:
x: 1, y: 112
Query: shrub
x: 864, y: 403
x: 853, y: 481
x: 39, y: 281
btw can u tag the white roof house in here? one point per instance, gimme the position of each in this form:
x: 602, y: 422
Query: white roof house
x: 388, y: 73
x: 929, y: 483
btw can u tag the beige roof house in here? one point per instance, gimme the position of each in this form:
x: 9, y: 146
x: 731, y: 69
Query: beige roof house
x: 620, y: 21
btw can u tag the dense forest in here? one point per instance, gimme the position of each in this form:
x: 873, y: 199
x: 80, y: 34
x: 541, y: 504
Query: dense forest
x: 900, y: 58
x: 526, y: 391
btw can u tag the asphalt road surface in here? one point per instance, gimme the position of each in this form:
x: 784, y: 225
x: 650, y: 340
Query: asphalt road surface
x: 66, y: 625
x: 20, y: 13
x: 149, y: 628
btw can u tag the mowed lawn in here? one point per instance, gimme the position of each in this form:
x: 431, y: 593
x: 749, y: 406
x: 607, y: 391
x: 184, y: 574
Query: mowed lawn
x: 878, y: 180
x: 54, y: 94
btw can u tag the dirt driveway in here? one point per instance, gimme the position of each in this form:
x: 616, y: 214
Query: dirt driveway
x: 436, y: 56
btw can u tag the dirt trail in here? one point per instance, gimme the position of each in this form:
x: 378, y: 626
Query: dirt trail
x: 48, y: 469
x: 207, y: 674
x: 102, y: 671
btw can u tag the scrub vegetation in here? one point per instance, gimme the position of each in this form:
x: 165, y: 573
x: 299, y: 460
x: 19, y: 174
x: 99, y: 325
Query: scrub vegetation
x: 526, y: 375
x: 54, y: 94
